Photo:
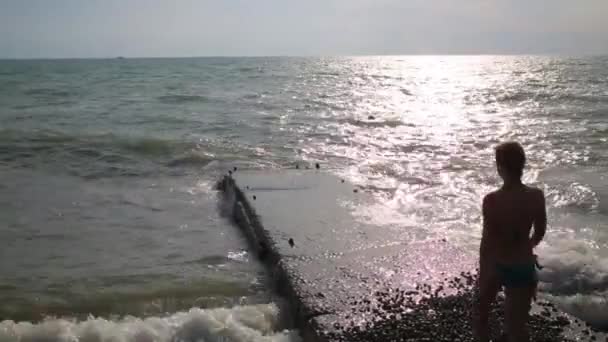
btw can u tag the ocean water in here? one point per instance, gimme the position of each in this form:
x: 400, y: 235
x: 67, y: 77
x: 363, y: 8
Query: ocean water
x: 110, y: 224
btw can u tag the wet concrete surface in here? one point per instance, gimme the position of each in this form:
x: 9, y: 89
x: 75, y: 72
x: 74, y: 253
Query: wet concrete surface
x: 348, y: 278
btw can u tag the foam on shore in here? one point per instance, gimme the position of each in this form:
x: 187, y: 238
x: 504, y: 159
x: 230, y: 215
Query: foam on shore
x: 254, y: 323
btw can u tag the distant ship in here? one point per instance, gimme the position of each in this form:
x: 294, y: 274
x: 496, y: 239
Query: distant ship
x: 120, y: 57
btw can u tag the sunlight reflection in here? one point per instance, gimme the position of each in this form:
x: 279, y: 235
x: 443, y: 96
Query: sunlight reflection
x: 419, y: 132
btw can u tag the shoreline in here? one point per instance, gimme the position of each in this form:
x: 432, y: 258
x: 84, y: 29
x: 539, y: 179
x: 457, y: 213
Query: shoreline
x: 394, y: 310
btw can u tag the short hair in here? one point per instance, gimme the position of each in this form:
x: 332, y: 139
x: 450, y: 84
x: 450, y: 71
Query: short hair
x: 511, y: 157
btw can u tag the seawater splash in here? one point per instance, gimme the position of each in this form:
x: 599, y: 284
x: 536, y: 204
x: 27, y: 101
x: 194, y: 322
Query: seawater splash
x: 571, y: 267
x: 256, y: 323
x: 592, y: 309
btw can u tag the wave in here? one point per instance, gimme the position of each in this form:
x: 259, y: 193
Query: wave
x: 572, y: 267
x: 569, y: 97
x: 510, y: 97
x: 328, y: 73
x: 252, y: 96
x: 48, y: 92
x: 147, y: 146
x: 86, y: 145
x: 255, y: 323
x: 251, y: 69
x: 177, y: 99
x: 374, y: 122
x: 575, y: 277
x: 119, y: 296
x: 216, y: 259
x: 593, y: 309
x: 99, y: 155
x: 575, y: 196
x: 405, y: 92
x: 318, y: 103
x: 521, y: 96
x: 378, y: 77
x: 193, y: 158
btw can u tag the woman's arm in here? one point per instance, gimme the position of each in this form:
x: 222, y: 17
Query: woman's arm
x: 485, y: 248
x: 540, y: 219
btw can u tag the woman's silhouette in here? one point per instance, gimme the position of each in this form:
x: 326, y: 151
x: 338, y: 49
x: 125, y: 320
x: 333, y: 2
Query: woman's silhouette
x: 506, y: 252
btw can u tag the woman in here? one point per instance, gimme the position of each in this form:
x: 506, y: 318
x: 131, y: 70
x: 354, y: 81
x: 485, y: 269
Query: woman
x: 506, y: 251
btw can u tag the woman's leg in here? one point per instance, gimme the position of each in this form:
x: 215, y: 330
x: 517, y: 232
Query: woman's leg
x: 518, y: 301
x: 488, y: 287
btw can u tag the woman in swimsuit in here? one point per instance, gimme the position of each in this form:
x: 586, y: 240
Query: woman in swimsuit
x: 506, y: 251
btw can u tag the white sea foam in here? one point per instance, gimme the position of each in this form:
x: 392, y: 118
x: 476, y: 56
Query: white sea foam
x: 255, y: 323
x: 571, y: 267
x: 592, y: 309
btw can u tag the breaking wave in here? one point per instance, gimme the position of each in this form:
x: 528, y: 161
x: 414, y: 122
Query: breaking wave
x: 255, y: 323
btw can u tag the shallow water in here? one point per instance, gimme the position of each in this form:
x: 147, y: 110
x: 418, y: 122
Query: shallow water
x: 108, y: 165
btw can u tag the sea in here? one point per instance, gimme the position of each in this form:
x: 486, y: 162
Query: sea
x: 111, y: 230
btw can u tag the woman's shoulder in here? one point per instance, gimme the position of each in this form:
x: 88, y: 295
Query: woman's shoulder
x: 534, y: 190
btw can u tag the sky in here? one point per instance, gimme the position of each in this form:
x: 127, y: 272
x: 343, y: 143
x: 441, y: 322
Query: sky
x: 187, y: 28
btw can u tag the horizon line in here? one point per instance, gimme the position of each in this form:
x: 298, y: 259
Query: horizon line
x: 122, y: 57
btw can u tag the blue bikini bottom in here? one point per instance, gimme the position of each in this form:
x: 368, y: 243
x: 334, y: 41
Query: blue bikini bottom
x: 517, y: 275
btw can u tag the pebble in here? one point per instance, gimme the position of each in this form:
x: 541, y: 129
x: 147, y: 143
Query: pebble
x: 428, y: 314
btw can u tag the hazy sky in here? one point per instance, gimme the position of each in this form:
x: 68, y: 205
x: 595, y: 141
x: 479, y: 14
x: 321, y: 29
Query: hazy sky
x: 106, y: 28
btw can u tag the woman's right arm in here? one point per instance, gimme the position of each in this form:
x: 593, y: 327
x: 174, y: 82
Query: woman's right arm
x: 540, y: 219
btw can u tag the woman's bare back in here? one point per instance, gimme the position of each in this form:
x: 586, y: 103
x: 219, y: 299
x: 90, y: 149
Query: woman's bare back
x: 509, y: 214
